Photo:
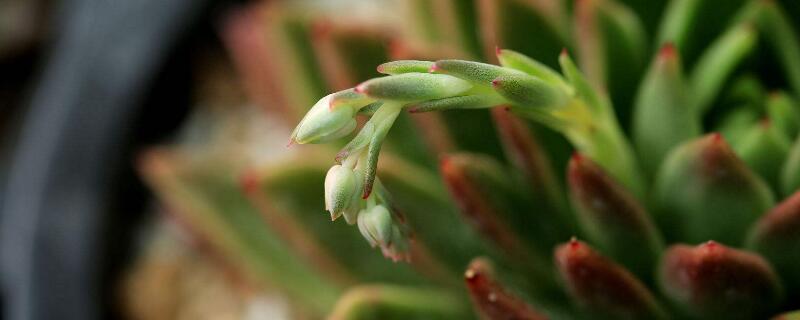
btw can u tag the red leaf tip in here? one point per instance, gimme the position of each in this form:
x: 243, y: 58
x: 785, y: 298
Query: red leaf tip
x: 564, y: 52
x: 360, y: 88
x: 248, y: 181
x: 667, y: 50
x: 497, y: 50
x: 433, y: 68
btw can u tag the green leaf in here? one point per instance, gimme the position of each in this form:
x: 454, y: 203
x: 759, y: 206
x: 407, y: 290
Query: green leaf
x: 764, y: 149
x: 718, y: 62
x: 413, y: 87
x: 662, y: 116
x: 704, y: 191
x: 776, y: 237
x: 612, y: 219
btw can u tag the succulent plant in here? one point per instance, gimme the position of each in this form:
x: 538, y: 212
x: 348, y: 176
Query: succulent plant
x: 681, y: 197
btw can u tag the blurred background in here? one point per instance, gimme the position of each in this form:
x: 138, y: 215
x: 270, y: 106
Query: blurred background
x: 87, y: 87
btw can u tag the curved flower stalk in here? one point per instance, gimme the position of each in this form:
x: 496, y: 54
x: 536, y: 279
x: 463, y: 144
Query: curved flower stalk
x: 567, y: 104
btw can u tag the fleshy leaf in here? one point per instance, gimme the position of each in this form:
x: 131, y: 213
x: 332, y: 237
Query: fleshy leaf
x: 776, y: 236
x: 704, y: 191
x: 612, y: 218
x: 712, y: 281
x: 413, y: 87
x: 601, y: 286
x: 491, y: 299
x: 764, y: 148
x: 662, y: 116
x: 405, y: 66
x: 529, y: 92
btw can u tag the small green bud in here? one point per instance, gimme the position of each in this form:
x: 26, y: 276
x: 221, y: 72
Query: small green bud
x: 376, y: 225
x: 321, y: 124
x: 413, y: 87
x: 341, y: 191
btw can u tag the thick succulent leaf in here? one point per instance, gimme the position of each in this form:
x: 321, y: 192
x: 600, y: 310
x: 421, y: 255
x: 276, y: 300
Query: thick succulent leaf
x: 612, y: 219
x: 495, y: 206
x: 405, y: 66
x: 772, y: 21
x: 491, y: 299
x: 704, y: 191
x: 529, y: 92
x: 528, y: 158
x: 662, y: 115
x: 398, y: 302
x: 605, y: 289
x: 521, y: 62
x: 764, y: 149
x: 691, y: 25
x: 477, y: 72
x: 776, y: 236
x: 611, y: 49
x: 413, y: 87
x: 784, y: 113
x: 736, y: 124
x: 717, y: 63
x: 790, y: 173
x: 711, y: 281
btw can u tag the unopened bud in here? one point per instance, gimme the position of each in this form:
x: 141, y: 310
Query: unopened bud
x: 341, y: 190
x: 321, y: 124
x: 376, y: 225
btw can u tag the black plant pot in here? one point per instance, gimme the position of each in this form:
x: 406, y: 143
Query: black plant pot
x: 117, y: 77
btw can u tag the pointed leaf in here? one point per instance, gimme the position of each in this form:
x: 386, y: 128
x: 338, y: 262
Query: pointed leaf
x: 662, y: 117
x: 413, y: 87
x: 764, y: 148
x: 704, y: 191
x: 606, y: 289
x: 711, y: 281
x: 612, y: 218
x: 776, y: 236
x: 490, y: 299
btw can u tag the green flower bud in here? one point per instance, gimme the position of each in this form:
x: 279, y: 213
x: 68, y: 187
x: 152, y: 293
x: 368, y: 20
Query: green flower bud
x: 322, y: 124
x: 376, y: 225
x: 341, y: 191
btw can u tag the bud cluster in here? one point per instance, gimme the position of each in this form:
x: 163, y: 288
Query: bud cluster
x: 528, y: 88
